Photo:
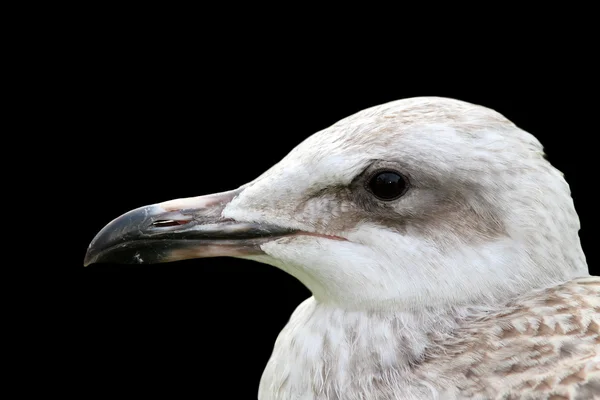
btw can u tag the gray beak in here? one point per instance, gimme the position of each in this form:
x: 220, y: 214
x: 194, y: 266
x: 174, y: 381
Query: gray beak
x: 178, y: 230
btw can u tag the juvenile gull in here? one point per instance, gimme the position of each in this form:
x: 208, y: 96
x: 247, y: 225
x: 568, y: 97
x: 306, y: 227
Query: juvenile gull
x: 440, y: 246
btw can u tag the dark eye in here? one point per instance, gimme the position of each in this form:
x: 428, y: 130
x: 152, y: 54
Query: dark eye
x: 387, y: 185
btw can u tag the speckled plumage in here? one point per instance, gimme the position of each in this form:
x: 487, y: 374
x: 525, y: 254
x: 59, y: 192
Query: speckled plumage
x: 543, y: 345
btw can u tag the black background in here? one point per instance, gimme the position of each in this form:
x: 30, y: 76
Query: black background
x: 167, y: 112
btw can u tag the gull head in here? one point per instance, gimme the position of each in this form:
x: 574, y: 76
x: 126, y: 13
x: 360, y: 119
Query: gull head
x: 415, y: 203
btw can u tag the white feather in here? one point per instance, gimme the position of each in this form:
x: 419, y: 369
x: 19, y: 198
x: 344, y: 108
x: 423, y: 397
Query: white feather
x: 486, y: 221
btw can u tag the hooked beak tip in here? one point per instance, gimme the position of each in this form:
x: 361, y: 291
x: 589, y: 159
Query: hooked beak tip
x: 89, y: 258
x: 178, y: 230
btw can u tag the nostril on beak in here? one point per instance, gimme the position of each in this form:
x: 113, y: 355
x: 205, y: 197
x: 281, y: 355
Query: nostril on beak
x: 162, y: 223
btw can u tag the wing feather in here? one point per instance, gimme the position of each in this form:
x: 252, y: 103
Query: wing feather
x: 544, y: 346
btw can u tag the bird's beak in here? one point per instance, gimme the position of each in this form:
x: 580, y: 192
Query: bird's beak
x: 178, y: 230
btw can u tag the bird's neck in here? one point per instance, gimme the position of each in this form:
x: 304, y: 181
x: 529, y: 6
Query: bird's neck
x: 385, y: 331
x: 346, y: 345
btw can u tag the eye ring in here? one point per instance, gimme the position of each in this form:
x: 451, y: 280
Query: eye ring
x: 387, y: 184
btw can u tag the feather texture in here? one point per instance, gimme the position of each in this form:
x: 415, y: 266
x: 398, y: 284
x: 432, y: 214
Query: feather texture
x: 543, y: 345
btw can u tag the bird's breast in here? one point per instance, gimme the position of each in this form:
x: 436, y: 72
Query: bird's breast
x: 327, y: 353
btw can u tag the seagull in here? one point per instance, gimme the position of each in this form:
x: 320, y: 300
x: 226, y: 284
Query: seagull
x: 440, y: 246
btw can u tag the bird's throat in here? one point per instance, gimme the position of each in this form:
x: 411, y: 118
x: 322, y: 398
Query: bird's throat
x: 323, y: 340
